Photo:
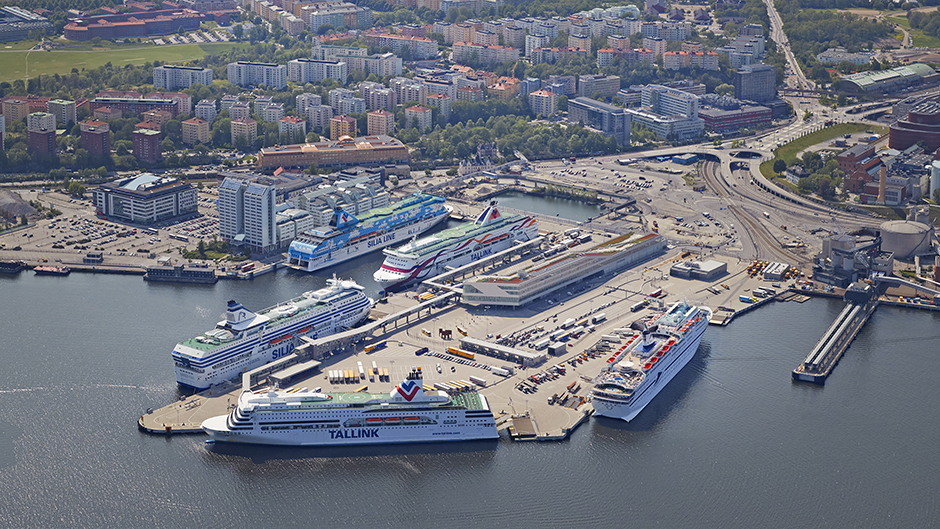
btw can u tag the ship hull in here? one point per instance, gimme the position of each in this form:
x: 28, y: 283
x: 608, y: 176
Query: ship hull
x: 627, y: 411
x: 254, y: 353
x: 218, y: 430
x: 341, y: 255
x: 433, y: 265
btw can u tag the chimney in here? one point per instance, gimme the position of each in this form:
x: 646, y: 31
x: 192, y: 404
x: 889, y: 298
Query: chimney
x: 882, y: 183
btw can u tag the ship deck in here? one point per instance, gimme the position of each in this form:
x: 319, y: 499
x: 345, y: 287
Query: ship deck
x: 447, y: 237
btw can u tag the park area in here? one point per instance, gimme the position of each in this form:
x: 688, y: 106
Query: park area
x: 13, y: 62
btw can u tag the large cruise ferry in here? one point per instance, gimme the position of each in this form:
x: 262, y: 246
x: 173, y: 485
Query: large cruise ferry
x: 648, y: 361
x: 246, y: 340
x: 313, y: 418
x: 347, y: 237
x: 489, y: 233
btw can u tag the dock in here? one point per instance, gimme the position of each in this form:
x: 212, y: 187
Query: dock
x: 819, y: 363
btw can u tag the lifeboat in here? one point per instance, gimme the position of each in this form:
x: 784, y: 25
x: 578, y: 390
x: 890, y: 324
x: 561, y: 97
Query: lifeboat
x: 275, y: 341
x: 305, y: 329
x: 373, y: 420
x: 654, y: 360
x: 412, y: 420
x: 647, y: 366
x: 392, y: 420
x: 287, y: 336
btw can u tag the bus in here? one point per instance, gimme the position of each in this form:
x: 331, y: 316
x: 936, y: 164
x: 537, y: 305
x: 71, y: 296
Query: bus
x: 151, y: 231
x: 656, y: 293
x: 179, y: 237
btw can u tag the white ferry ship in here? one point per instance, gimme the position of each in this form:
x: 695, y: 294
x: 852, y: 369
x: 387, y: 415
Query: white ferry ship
x: 348, y: 237
x: 313, y: 418
x: 491, y: 232
x: 648, y: 361
x: 245, y: 340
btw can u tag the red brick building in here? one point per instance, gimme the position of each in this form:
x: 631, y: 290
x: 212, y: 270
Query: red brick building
x: 41, y: 141
x: 96, y: 138
x: 146, y: 145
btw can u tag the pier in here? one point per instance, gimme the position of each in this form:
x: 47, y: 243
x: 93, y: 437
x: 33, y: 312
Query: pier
x: 818, y: 365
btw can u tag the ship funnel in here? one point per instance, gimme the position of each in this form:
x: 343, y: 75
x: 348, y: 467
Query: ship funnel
x: 236, y: 313
x: 410, y: 390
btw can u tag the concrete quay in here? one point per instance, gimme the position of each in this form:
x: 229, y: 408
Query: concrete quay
x: 524, y: 412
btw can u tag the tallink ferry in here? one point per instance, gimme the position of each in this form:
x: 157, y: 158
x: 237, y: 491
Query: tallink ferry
x: 245, y: 340
x: 648, y: 361
x: 313, y: 418
x: 489, y: 233
x: 348, y: 237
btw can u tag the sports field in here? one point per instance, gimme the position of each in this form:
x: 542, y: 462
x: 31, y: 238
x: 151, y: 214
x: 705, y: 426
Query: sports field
x: 13, y: 62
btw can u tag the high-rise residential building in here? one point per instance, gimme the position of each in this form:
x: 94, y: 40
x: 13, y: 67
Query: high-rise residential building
x: 272, y: 112
x: 246, y: 128
x: 608, y: 119
x: 419, y: 117
x: 312, y: 71
x: 261, y: 102
x: 407, y: 90
x: 228, y: 100
x: 339, y: 94
x: 40, y: 121
x: 442, y: 102
x: 41, y: 141
x: 146, y: 145
x: 196, y: 130
x: 96, y: 138
x: 247, y: 214
x: 243, y: 73
x: 543, y: 102
x: 533, y: 42
x: 171, y: 77
x: 205, y: 109
x: 319, y: 116
x: 239, y: 110
x: 63, y: 110
x: 292, y: 129
x: 342, y: 125
x: 305, y: 101
x: 353, y: 105
x: 381, y: 122
x: 756, y: 82
x: 3, y: 132
x: 15, y: 109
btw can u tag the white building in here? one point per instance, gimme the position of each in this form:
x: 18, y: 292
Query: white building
x: 319, y: 116
x: 40, y: 121
x: 172, y: 77
x: 206, y: 110
x: 244, y: 73
x: 247, y: 214
x: 272, y: 112
x: 145, y: 199
x: 305, y: 101
x: 543, y: 102
x: 312, y: 71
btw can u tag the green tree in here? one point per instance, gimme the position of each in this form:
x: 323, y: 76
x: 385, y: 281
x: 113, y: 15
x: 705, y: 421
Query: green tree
x: 780, y: 165
x: 23, y: 220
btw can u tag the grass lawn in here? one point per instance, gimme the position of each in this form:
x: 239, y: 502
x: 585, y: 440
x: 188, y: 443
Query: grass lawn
x: 789, y: 151
x: 13, y: 63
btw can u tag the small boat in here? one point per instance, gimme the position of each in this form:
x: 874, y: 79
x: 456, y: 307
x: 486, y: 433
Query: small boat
x: 52, y: 270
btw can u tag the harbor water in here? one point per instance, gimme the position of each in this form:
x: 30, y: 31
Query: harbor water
x: 731, y: 442
x: 550, y: 206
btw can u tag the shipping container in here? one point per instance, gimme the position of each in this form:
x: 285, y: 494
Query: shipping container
x: 542, y: 344
x: 745, y: 299
x: 599, y: 318
x: 478, y: 381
